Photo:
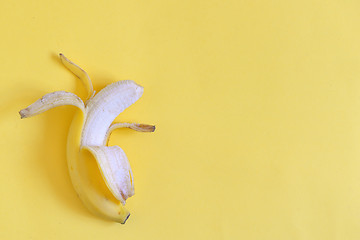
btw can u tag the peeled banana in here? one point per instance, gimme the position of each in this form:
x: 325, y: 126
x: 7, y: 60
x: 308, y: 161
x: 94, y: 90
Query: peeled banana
x: 88, y: 140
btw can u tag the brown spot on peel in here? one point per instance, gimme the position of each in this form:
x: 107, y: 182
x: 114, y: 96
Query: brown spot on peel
x: 148, y: 128
x: 24, y: 113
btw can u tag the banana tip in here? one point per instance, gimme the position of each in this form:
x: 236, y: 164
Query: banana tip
x: 23, y: 113
x: 126, y: 219
x: 151, y: 128
x: 62, y: 56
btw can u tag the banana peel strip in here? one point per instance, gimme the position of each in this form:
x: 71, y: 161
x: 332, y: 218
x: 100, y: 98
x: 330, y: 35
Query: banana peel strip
x: 115, y: 168
x: 51, y: 100
x: 80, y: 73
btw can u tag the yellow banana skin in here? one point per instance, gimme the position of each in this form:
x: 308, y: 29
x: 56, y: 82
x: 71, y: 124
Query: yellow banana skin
x: 92, y: 197
x: 101, y: 174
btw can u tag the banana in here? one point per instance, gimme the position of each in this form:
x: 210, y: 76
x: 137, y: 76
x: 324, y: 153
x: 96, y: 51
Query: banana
x: 88, y: 137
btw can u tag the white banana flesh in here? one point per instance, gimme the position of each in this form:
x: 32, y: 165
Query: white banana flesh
x: 88, y: 138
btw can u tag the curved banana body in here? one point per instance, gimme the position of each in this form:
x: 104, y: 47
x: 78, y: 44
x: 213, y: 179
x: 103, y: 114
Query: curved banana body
x: 87, y: 143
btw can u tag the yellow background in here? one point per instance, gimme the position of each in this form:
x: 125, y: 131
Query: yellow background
x: 256, y: 103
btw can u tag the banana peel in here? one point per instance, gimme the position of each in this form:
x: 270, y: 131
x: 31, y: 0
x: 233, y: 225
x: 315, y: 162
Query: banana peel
x: 88, y: 140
